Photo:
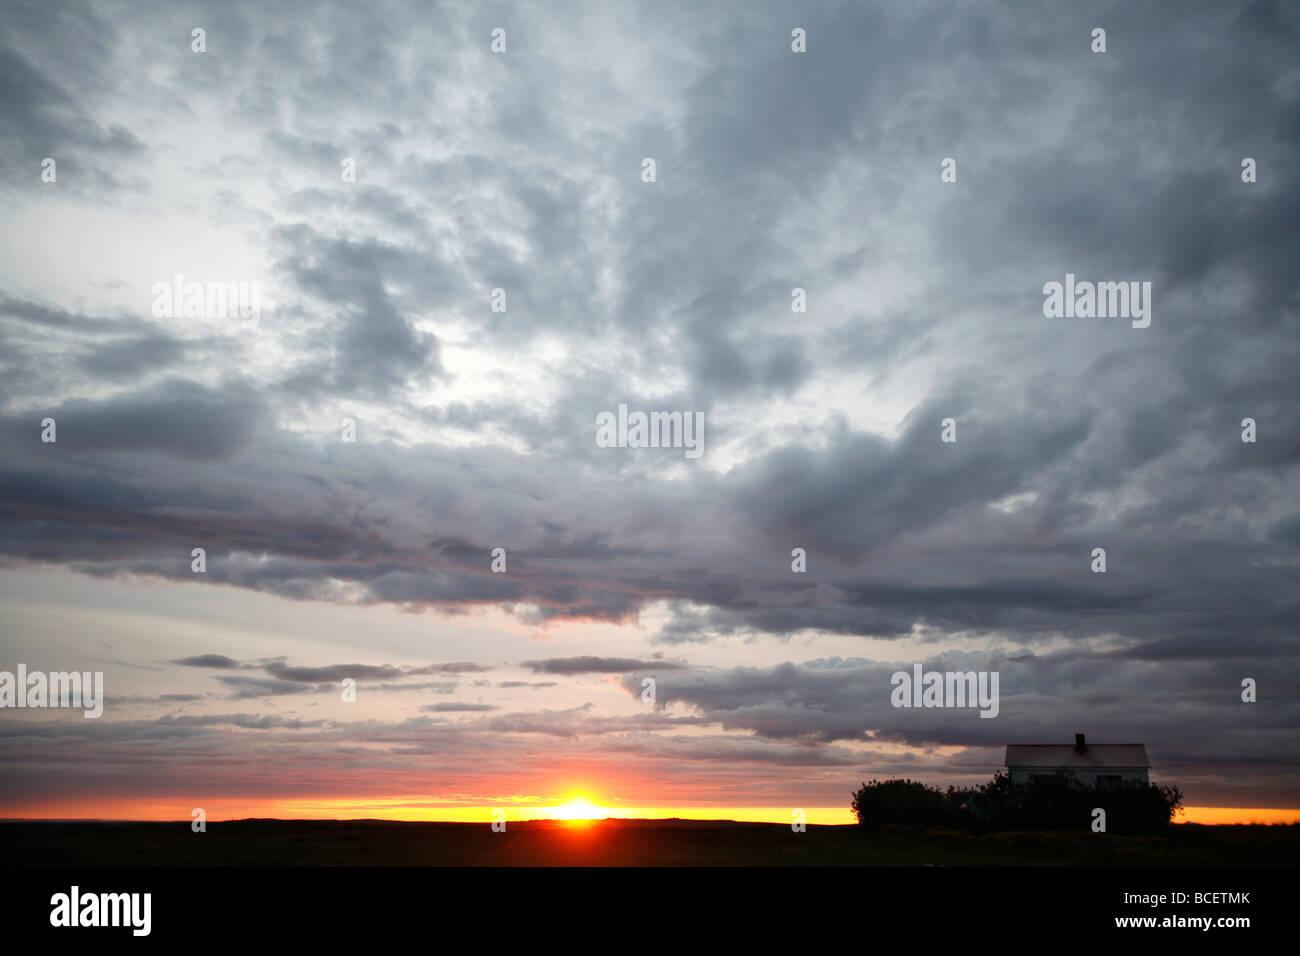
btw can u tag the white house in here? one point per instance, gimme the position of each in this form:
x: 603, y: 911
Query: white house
x: 1090, y: 764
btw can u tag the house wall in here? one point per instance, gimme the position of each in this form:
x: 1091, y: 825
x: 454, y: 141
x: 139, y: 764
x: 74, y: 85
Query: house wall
x: 1088, y: 777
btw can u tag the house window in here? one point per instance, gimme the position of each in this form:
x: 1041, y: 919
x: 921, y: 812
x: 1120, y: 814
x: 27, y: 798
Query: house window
x: 1107, y: 780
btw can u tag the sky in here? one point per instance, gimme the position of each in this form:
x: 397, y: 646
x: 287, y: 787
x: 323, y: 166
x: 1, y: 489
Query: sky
x: 475, y: 411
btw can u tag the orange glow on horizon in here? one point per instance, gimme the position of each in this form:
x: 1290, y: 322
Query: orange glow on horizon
x: 572, y: 808
x: 1216, y: 815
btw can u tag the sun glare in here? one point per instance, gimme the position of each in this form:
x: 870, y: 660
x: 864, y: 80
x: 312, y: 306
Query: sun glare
x: 579, y: 808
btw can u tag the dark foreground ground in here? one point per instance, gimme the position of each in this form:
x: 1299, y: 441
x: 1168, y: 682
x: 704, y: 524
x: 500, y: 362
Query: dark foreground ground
x: 620, y: 843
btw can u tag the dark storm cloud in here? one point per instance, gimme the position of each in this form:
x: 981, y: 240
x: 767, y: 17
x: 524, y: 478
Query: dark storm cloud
x: 52, y: 350
x: 376, y: 348
x: 126, y: 358
x: 176, y: 417
x: 56, y: 69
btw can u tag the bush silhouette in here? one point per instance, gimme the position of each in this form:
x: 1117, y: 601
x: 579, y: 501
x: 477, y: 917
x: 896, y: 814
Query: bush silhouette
x: 1044, y: 802
x: 905, y: 803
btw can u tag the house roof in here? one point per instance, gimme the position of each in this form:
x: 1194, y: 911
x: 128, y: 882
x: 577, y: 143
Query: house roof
x: 1097, y: 756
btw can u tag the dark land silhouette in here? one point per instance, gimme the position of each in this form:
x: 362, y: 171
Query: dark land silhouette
x: 622, y: 843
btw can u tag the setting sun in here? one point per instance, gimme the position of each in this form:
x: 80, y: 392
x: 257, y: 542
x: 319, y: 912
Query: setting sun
x: 579, y: 808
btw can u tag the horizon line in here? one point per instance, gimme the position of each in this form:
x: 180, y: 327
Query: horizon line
x: 813, y: 816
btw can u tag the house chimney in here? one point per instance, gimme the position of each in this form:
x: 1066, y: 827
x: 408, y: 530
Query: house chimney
x: 1079, y: 745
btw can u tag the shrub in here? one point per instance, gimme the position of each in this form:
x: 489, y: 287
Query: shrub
x: 904, y: 803
x: 1056, y: 802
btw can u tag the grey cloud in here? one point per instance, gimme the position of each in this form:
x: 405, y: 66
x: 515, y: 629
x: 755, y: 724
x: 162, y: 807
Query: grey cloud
x: 598, y: 665
x: 251, y: 688
x: 338, y: 672
x: 49, y: 73
x: 209, y: 660
x: 449, y: 708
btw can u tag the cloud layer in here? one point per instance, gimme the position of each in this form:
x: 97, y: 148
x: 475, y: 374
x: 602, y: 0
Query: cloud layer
x: 475, y: 429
